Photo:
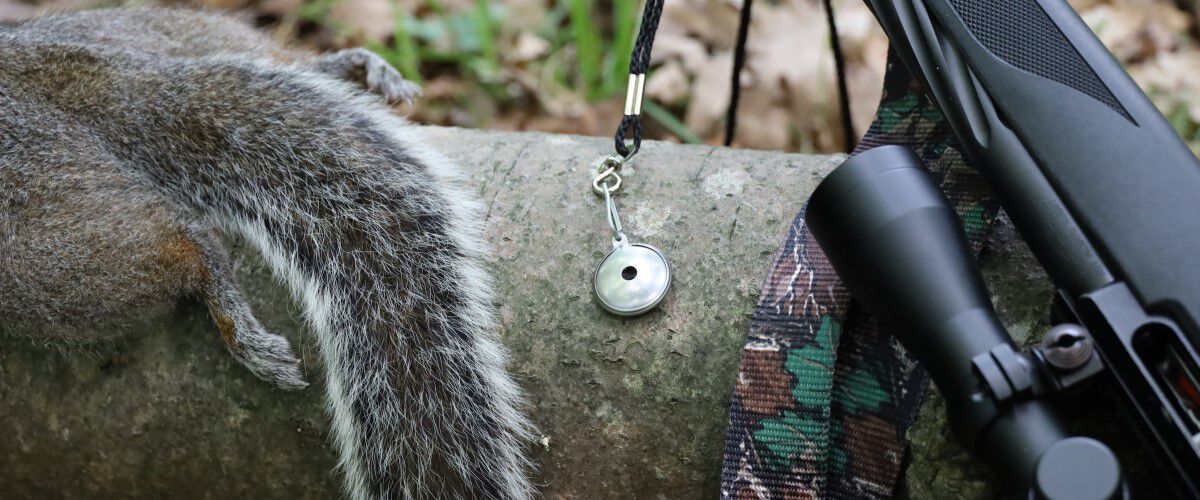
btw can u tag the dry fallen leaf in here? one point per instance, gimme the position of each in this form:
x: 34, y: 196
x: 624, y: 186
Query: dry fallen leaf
x: 528, y: 47
x: 1169, y: 78
x: 373, y: 20
x: 710, y: 94
x: 668, y: 84
x: 787, y: 46
x: 1135, y: 32
x: 688, y: 50
x: 280, y: 8
x: 519, y: 15
x: 763, y: 122
x: 16, y: 11
x: 714, y: 20
x: 223, y: 4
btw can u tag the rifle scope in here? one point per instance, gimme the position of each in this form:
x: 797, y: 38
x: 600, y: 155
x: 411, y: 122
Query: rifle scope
x: 895, y: 241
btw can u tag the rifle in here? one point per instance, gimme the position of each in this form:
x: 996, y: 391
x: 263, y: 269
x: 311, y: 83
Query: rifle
x: 1106, y: 195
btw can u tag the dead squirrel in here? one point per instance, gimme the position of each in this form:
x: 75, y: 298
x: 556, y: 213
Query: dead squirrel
x: 128, y: 138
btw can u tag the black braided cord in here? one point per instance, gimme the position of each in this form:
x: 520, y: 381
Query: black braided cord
x: 839, y: 61
x: 639, y: 63
x: 739, y: 61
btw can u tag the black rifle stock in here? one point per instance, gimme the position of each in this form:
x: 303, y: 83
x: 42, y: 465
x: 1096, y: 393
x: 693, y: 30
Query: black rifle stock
x: 1101, y: 188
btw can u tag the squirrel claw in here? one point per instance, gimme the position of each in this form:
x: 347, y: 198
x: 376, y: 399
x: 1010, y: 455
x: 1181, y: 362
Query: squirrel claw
x: 270, y: 357
x: 383, y: 79
x: 366, y: 68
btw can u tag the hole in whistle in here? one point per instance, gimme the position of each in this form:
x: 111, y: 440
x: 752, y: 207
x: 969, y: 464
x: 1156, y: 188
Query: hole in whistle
x: 629, y: 273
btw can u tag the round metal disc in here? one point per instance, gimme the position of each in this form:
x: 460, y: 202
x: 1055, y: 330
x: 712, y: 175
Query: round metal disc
x: 632, y: 279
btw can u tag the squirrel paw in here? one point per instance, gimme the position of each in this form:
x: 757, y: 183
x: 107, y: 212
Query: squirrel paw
x: 267, y: 355
x: 383, y: 79
x: 270, y: 357
x: 366, y: 68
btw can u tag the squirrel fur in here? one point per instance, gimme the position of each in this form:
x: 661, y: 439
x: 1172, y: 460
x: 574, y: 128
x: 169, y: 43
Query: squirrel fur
x: 131, y: 139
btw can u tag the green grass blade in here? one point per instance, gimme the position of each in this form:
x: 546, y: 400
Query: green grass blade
x: 587, y: 46
x: 405, y: 56
x: 436, y: 7
x: 625, y: 19
x: 486, y: 30
x: 673, y: 125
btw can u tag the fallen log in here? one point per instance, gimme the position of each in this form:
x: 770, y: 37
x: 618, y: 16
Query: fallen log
x: 625, y: 407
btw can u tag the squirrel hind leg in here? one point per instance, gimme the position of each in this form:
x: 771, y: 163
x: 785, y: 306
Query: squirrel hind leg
x: 365, y: 68
x: 268, y: 355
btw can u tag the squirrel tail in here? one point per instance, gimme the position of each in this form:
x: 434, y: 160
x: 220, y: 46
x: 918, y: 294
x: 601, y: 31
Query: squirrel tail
x: 421, y: 403
x: 367, y: 228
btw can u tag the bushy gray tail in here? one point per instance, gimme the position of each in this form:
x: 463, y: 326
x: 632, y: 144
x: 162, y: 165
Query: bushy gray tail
x: 364, y: 225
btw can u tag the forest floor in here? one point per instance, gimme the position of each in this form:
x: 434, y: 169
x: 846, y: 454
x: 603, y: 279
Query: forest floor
x: 561, y: 66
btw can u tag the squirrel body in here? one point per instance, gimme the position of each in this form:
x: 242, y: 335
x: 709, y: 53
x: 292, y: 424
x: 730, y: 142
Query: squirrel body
x: 129, y: 139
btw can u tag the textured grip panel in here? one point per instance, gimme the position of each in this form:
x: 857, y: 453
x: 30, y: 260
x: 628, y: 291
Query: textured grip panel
x: 1023, y: 35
